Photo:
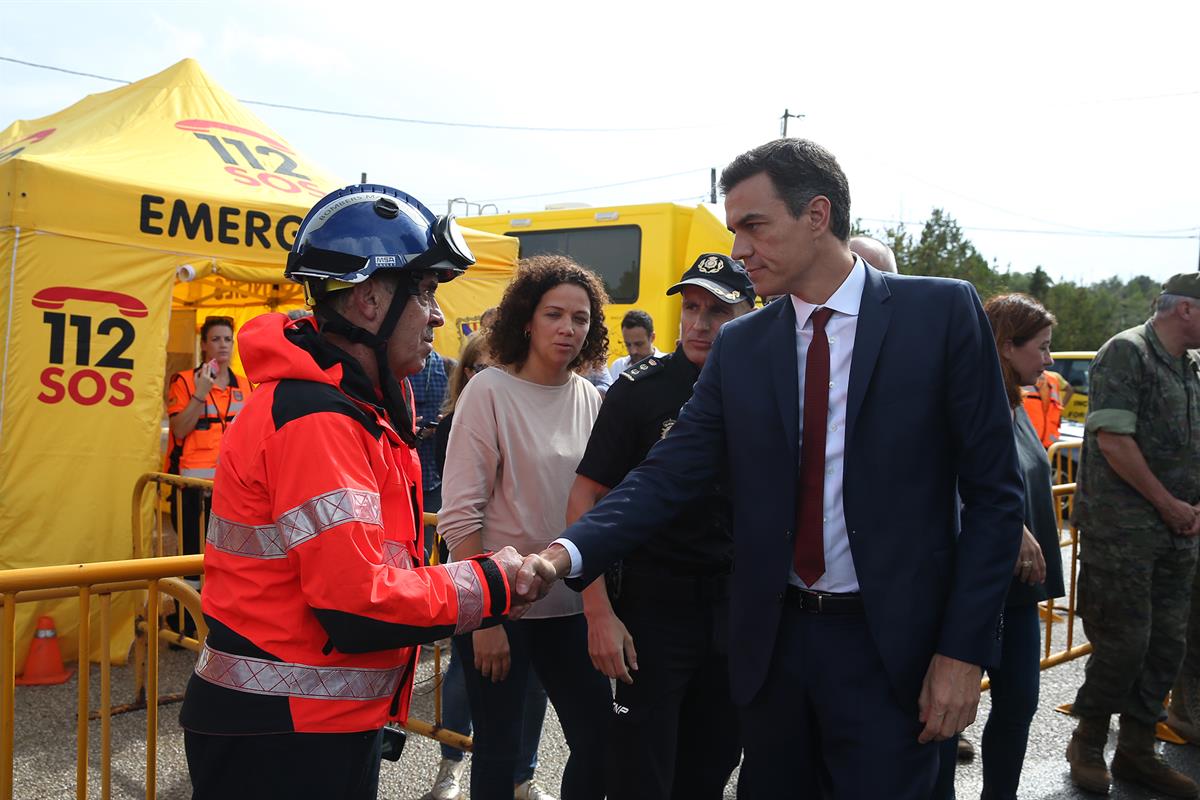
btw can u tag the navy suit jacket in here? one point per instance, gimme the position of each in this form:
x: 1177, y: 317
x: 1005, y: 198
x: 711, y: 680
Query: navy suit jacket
x: 927, y: 422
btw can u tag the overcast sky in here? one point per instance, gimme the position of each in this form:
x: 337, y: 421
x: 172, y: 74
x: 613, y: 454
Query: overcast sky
x: 1080, y: 119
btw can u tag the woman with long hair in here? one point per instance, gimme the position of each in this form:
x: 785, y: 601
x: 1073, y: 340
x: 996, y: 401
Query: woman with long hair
x: 1022, y: 327
x: 519, y: 432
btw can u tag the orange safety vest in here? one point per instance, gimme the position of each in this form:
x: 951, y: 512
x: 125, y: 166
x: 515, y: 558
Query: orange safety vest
x: 1043, y: 404
x: 195, y: 456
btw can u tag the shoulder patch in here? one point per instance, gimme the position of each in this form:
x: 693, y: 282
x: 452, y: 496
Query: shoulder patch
x: 646, y: 367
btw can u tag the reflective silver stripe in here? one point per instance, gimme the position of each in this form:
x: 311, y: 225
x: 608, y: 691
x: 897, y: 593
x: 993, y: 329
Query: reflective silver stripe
x: 255, y: 541
x: 295, y: 526
x: 206, y: 472
x: 470, y: 595
x: 279, y: 678
x: 395, y: 554
x: 327, y: 511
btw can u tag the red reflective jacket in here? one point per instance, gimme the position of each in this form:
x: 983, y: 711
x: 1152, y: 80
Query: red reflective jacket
x: 314, y: 604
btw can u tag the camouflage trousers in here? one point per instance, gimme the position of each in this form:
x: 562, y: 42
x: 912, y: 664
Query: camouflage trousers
x: 1135, y: 613
x: 1186, y: 693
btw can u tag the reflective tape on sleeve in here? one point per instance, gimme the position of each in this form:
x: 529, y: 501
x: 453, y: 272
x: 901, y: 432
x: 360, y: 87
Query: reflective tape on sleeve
x: 470, y: 595
x: 283, y: 679
x: 395, y: 554
x: 295, y: 526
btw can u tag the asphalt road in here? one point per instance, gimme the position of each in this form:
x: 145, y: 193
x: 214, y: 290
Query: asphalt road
x: 45, y: 751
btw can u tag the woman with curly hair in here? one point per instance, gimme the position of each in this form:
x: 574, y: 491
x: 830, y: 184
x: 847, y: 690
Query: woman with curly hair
x: 519, y: 432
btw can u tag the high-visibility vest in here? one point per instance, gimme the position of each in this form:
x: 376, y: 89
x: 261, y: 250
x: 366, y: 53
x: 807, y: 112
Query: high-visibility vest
x: 195, y: 456
x: 1043, y: 404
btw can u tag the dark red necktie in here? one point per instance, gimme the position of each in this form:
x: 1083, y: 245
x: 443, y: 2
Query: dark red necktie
x: 809, y: 558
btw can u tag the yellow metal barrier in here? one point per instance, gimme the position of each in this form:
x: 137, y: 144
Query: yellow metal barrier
x: 1064, y: 460
x: 100, y: 580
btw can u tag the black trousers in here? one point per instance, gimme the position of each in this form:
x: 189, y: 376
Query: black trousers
x: 674, y: 731
x: 284, y: 766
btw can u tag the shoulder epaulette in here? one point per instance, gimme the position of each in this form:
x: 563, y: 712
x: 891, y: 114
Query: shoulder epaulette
x: 646, y: 367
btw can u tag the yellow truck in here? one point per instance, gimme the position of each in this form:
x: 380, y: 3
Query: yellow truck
x: 1075, y: 367
x: 638, y: 251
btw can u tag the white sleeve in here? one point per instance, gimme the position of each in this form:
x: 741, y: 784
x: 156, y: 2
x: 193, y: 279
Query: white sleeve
x: 576, y: 557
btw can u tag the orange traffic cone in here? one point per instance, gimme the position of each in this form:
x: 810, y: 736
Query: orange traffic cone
x: 43, y: 665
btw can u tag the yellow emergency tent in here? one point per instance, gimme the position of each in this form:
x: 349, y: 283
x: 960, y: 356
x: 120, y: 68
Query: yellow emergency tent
x: 164, y: 197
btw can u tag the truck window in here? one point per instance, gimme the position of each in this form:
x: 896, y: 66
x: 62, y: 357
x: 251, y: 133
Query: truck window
x: 1075, y: 370
x: 612, y: 252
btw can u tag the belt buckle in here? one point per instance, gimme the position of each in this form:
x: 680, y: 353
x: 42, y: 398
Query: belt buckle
x: 820, y: 602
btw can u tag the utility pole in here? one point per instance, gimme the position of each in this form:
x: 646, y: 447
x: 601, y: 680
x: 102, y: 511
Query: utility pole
x: 784, y: 121
x: 712, y: 186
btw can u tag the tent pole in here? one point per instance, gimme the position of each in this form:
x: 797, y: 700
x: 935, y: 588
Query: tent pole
x: 12, y: 288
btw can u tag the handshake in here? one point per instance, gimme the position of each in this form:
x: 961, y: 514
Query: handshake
x: 530, y: 577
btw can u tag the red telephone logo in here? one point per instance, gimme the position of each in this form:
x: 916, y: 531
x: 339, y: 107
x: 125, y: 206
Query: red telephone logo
x: 88, y: 386
x: 56, y: 297
x: 16, y: 148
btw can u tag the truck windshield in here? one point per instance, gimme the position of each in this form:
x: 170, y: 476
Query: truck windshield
x: 612, y: 252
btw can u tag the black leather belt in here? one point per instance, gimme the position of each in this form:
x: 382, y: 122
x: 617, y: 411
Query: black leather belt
x: 823, y: 602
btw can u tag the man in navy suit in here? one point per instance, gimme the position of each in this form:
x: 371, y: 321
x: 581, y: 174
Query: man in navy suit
x: 862, y: 422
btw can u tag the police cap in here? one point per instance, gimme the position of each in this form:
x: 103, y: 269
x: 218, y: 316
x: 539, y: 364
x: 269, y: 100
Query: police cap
x: 719, y: 274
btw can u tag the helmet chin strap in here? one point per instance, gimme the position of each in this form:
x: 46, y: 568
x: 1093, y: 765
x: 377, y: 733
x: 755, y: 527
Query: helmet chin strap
x: 393, y: 397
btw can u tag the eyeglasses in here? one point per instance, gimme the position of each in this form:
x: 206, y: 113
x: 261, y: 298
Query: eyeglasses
x: 427, y: 297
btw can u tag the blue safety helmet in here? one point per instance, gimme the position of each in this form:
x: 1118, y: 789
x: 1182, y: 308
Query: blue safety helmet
x: 355, y: 231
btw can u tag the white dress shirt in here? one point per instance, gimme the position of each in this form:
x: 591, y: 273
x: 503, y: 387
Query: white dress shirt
x: 839, y: 573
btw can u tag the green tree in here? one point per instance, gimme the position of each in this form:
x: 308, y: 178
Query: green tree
x: 1039, y: 284
x: 1088, y: 316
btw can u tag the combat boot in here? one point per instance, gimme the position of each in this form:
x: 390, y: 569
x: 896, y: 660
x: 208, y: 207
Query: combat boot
x: 1086, y: 754
x: 1182, y: 714
x: 1138, y: 760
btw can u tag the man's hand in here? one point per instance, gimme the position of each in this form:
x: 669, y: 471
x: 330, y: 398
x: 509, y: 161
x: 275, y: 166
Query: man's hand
x: 611, y: 646
x: 1179, y: 516
x: 539, y: 572
x: 949, y: 698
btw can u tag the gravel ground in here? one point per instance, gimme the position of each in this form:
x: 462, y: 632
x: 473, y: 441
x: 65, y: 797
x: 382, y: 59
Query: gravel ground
x: 44, y: 758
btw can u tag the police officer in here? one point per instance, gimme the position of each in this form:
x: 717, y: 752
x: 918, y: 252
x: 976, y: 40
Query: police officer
x: 1138, y: 517
x: 673, y: 730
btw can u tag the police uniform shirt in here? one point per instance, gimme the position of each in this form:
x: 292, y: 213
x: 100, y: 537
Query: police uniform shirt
x: 638, y: 411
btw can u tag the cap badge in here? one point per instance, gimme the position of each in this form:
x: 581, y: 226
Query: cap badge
x: 710, y: 265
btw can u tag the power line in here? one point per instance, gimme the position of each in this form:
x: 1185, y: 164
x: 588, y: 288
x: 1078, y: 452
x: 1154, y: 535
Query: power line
x: 592, y: 188
x: 1083, y: 233
x: 384, y: 118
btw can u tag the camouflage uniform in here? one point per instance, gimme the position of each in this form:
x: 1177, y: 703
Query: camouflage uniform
x: 1136, y: 577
